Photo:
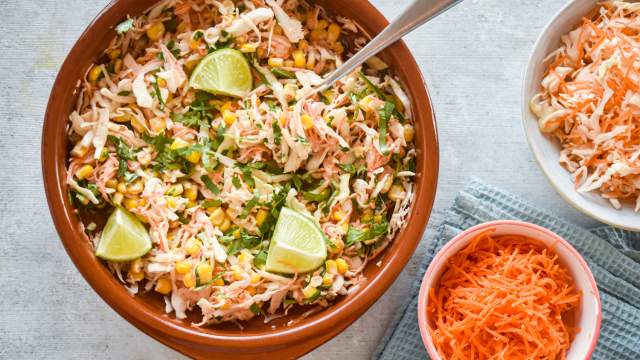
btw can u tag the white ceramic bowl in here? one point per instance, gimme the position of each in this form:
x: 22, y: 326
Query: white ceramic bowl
x: 545, y: 151
x: 589, y: 313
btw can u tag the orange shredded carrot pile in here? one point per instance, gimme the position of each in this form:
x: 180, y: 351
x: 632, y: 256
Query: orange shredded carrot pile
x: 590, y: 102
x: 503, y: 297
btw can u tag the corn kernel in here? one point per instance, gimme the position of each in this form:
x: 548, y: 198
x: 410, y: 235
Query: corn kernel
x: 396, y: 193
x: 227, y: 106
x: 194, y: 44
x: 307, y: 122
x: 175, y: 190
x: 138, y: 125
x: 117, y: 198
x: 237, y: 272
x: 178, y: 144
x: 218, y: 282
x: 275, y: 62
x: 311, y: 62
x: 94, y: 73
x: 190, y: 65
x: 322, y: 24
x: 194, y: 157
x: 161, y: 82
x: 163, y: 286
x: 327, y: 280
x: 331, y: 266
x: 136, y: 265
x: 189, y: 280
x: 342, y: 265
x: 205, y: 272
x: 114, y: 54
x: 377, y: 219
x: 299, y: 58
x: 387, y: 184
x: 217, y: 217
x: 183, y: 267
x: 112, y: 183
x: 318, y: 34
x: 248, y: 48
x: 122, y: 187
x: 309, y: 291
x: 303, y: 44
x: 136, y: 275
x: 261, y: 216
x: 409, y: 133
x: 156, y: 31
x: 103, y: 155
x: 130, y: 203
x: 229, y: 118
x: 193, y: 248
x: 226, y: 225
x: 79, y: 150
x: 226, y: 304
x: 242, y: 257
x: 338, y: 215
x: 122, y: 118
x: 333, y: 32
x: 135, y: 188
x: 157, y: 124
x: 255, y: 278
x: 237, y: 234
x: 366, y: 216
x: 337, y: 47
x: 182, y: 27
x: 191, y: 193
x: 84, y: 172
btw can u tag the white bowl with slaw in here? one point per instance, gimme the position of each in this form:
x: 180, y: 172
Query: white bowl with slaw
x: 546, y: 151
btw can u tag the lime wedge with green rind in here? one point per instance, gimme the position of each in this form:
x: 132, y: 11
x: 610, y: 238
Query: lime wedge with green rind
x: 223, y: 72
x: 124, y: 238
x: 297, y: 245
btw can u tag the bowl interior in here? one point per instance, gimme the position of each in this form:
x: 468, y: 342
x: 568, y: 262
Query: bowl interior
x: 588, y: 315
x: 546, y: 151
x: 147, y: 312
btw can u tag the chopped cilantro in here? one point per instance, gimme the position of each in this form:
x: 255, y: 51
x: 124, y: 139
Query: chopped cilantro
x: 209, y: 184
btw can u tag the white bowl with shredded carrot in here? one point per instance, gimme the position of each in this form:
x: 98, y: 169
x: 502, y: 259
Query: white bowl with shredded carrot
x: 509, y: 290
x: 581, y: 108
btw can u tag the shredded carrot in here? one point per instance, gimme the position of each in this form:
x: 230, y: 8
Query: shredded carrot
x: 590, y: 102
x: 503, y: 297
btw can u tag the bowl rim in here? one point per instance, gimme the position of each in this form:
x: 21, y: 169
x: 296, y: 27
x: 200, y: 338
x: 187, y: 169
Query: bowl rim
x: 334, y: 321
x: 439, y: 258
x: 537, y: 152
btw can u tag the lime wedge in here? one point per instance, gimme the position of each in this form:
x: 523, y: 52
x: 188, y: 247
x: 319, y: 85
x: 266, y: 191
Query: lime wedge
x: 124, y: 238
x: 297, y: 245
x: 223, y: 72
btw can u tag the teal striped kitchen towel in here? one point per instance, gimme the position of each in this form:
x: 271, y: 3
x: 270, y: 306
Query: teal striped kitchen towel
x: 613, y: 256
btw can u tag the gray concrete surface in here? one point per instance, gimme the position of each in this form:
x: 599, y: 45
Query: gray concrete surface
x: 472, y: 57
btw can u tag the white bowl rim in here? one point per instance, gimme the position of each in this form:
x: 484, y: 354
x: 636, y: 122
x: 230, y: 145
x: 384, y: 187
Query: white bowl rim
x: 440, y: 258
x: 537, y: 153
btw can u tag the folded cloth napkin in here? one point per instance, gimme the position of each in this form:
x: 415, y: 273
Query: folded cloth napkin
x: 612, y: 254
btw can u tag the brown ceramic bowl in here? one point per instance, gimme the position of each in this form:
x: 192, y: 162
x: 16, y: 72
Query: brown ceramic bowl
x: 257, y: 340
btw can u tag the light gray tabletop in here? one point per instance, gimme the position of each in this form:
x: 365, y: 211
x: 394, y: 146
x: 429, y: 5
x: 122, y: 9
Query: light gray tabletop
x: 472, y: 57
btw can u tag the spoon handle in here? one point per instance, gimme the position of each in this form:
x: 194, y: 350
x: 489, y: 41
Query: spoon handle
x: 419, y: 12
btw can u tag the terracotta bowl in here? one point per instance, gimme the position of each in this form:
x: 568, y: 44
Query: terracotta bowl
x: 256, y: 340
x: 587, y: 317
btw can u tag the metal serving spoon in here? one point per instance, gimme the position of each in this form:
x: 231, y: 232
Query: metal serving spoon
x: 418, y: 13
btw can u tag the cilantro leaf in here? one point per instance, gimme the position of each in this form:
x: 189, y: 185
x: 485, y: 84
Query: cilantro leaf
x: 209, y: 184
